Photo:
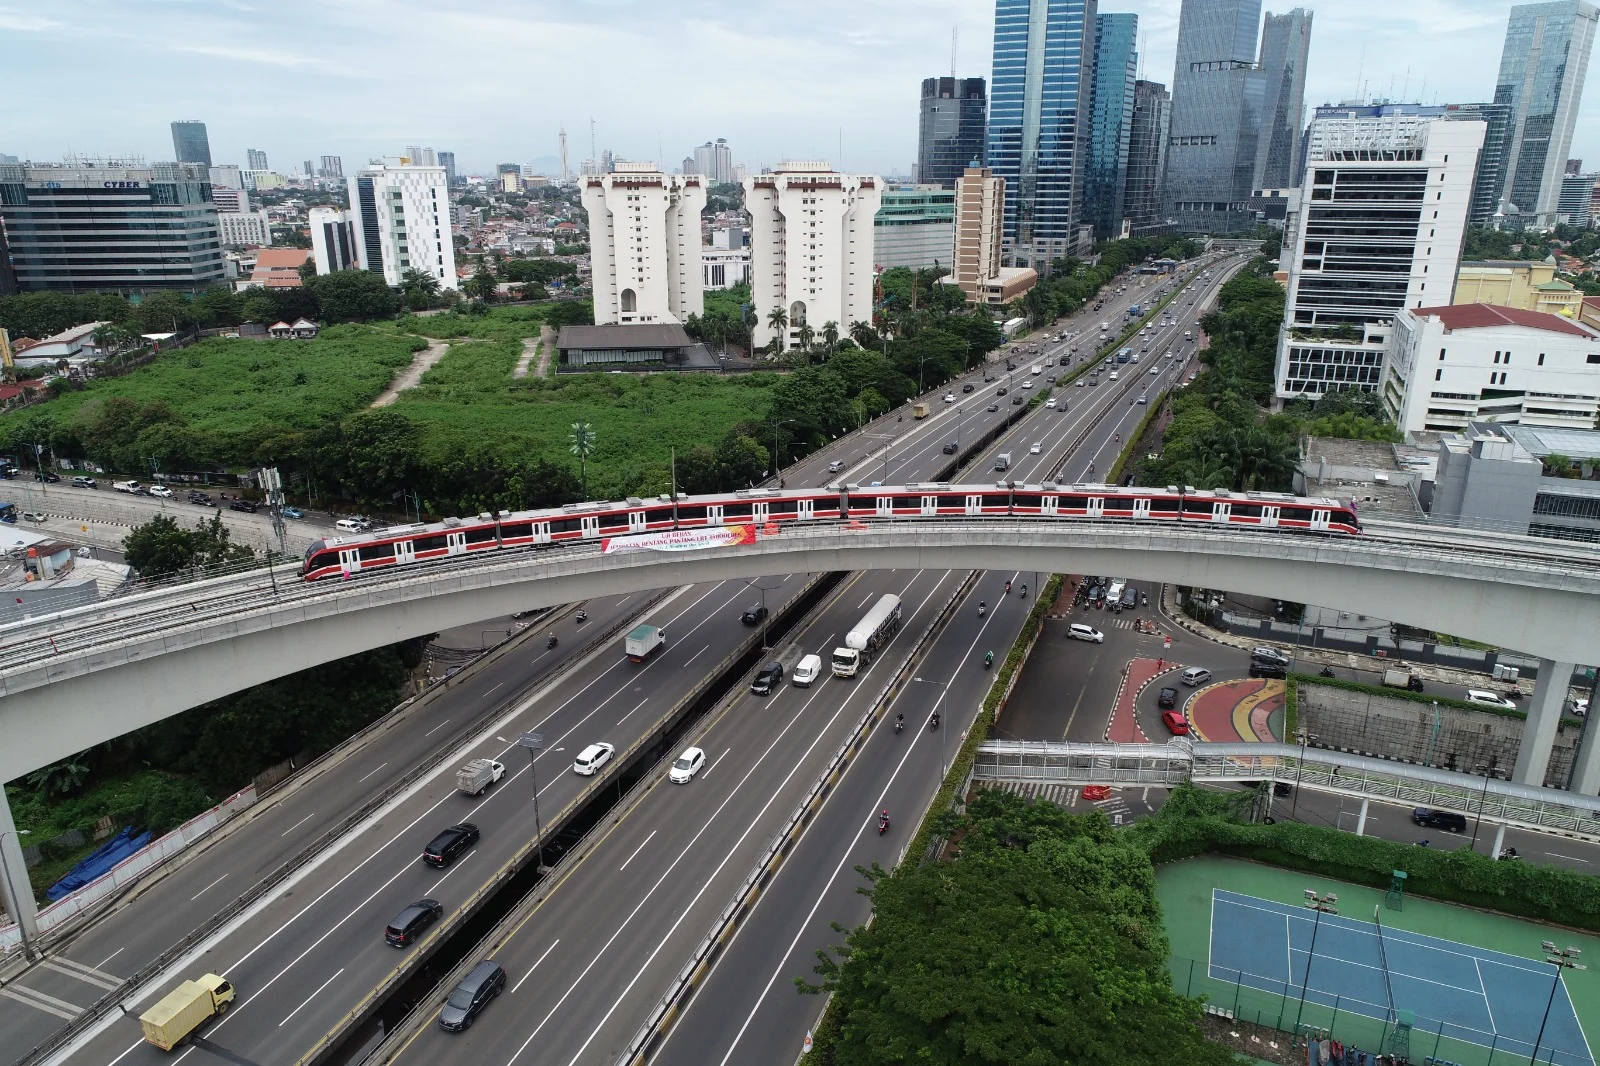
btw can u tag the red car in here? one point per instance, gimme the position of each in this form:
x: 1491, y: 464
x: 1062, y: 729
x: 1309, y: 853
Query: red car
x: 1176, y: 722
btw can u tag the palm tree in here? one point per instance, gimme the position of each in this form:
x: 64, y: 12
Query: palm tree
x: 582, y: 440
x: 418, y: 288
x: 861, y: 333
x: 830, y: 337
x: 806, y: 336
x: 778, y: 322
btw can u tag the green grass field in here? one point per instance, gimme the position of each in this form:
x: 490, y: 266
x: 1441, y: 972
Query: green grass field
x: 1186, y: 900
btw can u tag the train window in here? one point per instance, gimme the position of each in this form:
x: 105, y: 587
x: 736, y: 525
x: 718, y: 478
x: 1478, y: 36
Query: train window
x: 1164, y: 505
x: 616, y: 522
x: 660, y: 514
x: 428, y: 544
x: 480, y: 535
x: 687, y: 513
x: 1026, y: 499
x: 1295, y: 514
x: 781, y: 507
x: 1247, y: 510
x: 996, y: 500
x: 374, y: 552
x: 563, y: 525
x: 518, y: 530
x: 1198, y: 507
x: 1072, y: 503
x: 734, y: 510
x: 323, y: 559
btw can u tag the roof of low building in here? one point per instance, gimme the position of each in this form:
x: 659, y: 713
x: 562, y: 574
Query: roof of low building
x: 1479, y: 316
x: 643, y: 335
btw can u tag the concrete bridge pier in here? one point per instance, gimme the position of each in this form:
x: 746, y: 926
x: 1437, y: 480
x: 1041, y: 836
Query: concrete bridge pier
x: 1544, y: 717
x: 15, y: 891
x: 1586, y: 767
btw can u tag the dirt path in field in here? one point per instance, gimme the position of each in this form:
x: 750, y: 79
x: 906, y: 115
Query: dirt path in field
x: 411, y: 375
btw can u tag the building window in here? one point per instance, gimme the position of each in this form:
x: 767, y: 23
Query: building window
x: 1438, y: 375
x: 1441, y: 355
x: 1541, y: 359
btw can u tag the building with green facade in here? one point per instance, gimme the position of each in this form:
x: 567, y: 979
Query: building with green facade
x: 915, y: 227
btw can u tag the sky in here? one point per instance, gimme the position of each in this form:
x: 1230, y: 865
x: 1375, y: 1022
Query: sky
x: 780, y: 79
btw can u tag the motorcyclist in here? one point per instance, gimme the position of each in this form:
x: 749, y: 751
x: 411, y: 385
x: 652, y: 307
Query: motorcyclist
x: 934, y: 721
x: 583, y: 616
x: 552, y: 641
x: 982, y: 607
x: 988, y: 659
x: 883, y: 820
x: 1008, y: 588
x: 1024, y: 590
x: 1117, y: 437
x: 899, y: 722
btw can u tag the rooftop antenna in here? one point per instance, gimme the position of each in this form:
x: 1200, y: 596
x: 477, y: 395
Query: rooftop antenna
x: 1405, y: 87
x: 594, y: 151
x: 954, y: 36
x: 565, y: 173
x: 1360, y: 70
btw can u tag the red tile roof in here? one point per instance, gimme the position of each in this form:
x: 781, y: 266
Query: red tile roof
x: 1478, y: 316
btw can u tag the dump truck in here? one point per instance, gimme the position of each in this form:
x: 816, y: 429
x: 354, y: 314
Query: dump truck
x: 867, y: 636
x: 1393, y: 678
x: 642, y: 641
x: 476, y: 777
x: 186, y: 1008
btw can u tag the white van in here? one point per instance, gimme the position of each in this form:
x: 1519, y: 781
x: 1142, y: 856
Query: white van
x: 807, y: 671
x: 350, y: 525
x: 1079, y: 631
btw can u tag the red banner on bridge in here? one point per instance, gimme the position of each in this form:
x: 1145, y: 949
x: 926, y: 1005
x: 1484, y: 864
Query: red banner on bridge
x: 680, y: 540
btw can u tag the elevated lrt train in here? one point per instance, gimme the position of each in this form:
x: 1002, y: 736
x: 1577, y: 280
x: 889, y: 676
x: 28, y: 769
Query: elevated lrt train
x: 415, y: 544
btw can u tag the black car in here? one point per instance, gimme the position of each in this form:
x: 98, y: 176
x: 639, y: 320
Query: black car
x: 243, y: 505
x: 1258, y: 668
x: 1017, y: 401
x: 1011, y: 366
x: 754, y: 614
x: 486, y: 981
x: 967, y: 387
x: 47, y: 475
x: 992, y: 408
x: 769, y: 678
x: 950, y: 449
x: 443, y: 849
x: 1433, y: 819
x: 988, y: 377
x: 411, y: 922
x: 1167, y: 699
x: 203, y: 499
x: 1066, y: 360
x: 1001, y: 391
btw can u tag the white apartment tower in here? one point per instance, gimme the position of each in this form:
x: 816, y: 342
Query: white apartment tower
x: 1378, y: 228
x: 402, y: 221
x: 811, y: 239
x: 644, y: 244
x: 980, y: 223
x: 333, y: 239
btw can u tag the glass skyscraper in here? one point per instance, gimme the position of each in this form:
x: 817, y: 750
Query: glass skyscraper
x: 951, y: 129
x: 190, y: 143
x: 1038, y: 120
x: 1147, y: 145
x: 1285, y: 42
x: 1116, y: 68
x: 1491, y: 178
x: 1542, y: 67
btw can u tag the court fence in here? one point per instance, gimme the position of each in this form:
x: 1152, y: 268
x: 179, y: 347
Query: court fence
x: 1245, y: 998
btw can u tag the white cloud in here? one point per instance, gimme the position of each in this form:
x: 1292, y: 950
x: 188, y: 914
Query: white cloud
x: 12, y: 19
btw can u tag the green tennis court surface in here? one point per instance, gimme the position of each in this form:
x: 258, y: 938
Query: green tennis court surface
x: 1242, y: 938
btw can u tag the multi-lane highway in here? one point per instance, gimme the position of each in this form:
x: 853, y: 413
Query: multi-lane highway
x: 606, y: 938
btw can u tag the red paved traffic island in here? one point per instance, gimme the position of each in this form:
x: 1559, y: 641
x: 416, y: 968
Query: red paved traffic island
x: 1241, y: 710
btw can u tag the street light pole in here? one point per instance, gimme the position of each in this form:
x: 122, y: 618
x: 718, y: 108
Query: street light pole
x: 1299, y: 771
x: 1565, y: 958
x: 1482, y: 797
x: 533, y: 742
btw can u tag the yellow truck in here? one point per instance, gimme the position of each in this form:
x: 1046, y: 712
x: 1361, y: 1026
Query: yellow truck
x: 919, y: 409
x: 184, y: 1009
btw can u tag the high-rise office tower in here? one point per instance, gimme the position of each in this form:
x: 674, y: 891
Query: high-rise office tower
x: 1496, y: 119
x: 255, y: 159
x: 950, y: 129
x: 1575, y: 204
x: 1105, y: 171
x: 190, y: 143
x: 1147, y: 148
x: 402, y: 221
x: 448, y: 161
x: 644, y: 244
x: 332, y: 167
x: 1378, y: 228
x: 811, y: 232
x: 1285, y: 43
x: 1039, y: 120
x: 93, y: 227
x: 1542, y: 67
x: 1216, y: 115
x: 421, y: 157
x: 308, y: 169
x: 333, y: 239
x: 714, y: 160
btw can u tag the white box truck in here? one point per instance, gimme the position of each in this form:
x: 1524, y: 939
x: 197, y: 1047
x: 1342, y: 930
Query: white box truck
x: 867, y: 637
x: 642, y: 641
x: 184, y: 1009
x: 475, y: 777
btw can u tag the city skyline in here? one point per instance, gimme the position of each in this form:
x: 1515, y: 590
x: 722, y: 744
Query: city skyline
x: 858, y: 90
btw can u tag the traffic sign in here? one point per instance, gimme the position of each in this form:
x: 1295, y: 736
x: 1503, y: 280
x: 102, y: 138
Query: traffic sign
x: 531, y: 740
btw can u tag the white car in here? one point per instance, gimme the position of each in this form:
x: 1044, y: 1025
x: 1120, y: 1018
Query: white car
x: 1038, y: 446
x: 1489, y: 699
x: 1579, y: 707
x: 1051, y: 403
x: 687, y: 766
x: 1037, y: 369
x: 1028, y: 384
x: 161, y: 491
x: 593, y: 757
x: 1079, y: 631
x: 949, y: 397
x: 1154, y: 371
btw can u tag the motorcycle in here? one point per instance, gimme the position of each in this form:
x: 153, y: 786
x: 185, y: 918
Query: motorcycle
x: 982, y: 609
x: 1326, y: 671
x: 552, y: 642
x: 583, y: 616
x: 933, y: 723
x: 899, y: 722
x: 1024, y: 592
x: 988, y: 660
x: 883, y: 824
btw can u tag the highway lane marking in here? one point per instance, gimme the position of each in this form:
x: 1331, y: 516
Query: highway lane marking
x: 208, y: 888
x: 1554, y: 854
x: 86, y: 974
x: 636, y: 706
x: 863, y: 602
x: 486, y: 694
x: 535, y: 965
x: 43, y: 1002
x: 374, y: 770
x: 311, y: 997
x: 630, y: 858
x: 298, y: 824
x: 436, y: 728
x: 453, y: 868
x: 697, y: 654
x: 111, y: 956
x: 731, y: 852
x: 724, y: 755
x: 624, y: 600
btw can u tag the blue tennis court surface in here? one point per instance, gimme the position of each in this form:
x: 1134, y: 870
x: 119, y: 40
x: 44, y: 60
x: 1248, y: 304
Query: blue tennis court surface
x: 1466, y: 993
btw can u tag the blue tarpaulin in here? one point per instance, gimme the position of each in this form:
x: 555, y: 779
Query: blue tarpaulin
x: 100, y: 861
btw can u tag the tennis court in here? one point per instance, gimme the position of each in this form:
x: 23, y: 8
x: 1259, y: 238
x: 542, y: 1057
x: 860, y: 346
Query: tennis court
x: 1457, y: 992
